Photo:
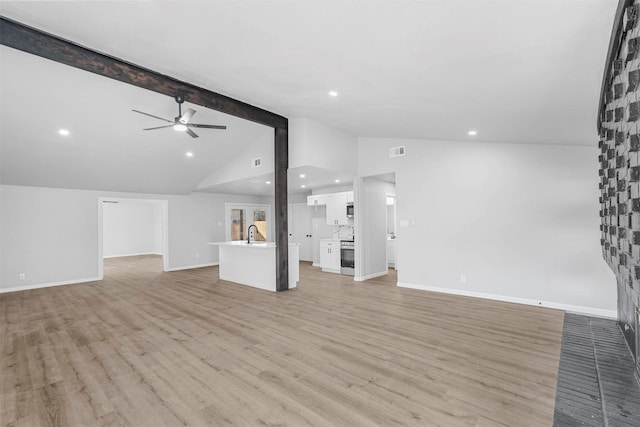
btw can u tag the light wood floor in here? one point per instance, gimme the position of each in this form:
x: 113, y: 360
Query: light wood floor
x: 146, y: 348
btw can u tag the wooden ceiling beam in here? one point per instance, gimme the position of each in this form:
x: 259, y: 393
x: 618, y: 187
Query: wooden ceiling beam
x: 19, y: 36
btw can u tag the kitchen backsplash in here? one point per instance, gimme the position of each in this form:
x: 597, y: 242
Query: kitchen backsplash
x: 343, y: 232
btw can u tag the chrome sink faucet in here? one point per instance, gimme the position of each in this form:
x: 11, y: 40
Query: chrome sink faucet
x: 249, y: 232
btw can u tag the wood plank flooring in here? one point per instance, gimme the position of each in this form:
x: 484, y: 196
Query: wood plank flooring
x: 147, y: 348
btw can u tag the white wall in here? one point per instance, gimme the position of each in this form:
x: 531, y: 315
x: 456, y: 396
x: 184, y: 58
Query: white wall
x: 131, y: 227
x: 519, y: 221
x: 240, y: 165
x: 312, y: 143
x: 51, y: 235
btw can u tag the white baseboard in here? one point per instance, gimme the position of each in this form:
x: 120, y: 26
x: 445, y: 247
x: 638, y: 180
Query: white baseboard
x: 49, y: 285
x: 370, y: 276
x: 189, y: 267
x: 591, y: 311
x: 125, y: 255
x: 315, y: 265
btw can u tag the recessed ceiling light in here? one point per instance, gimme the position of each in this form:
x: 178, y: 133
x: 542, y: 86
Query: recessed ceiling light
x: 303, y: 175
x: 333, y: 93
x: 303, y: 186
x: 189, y: 154
x: 64, y: 132
x: 337, y: 181
x: 267, y: 182
x: 472, y: 133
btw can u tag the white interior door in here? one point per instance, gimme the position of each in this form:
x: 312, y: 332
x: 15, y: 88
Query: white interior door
x: 300, y: 230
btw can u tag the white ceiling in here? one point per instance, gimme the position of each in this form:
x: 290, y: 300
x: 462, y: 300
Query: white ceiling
x: 107, y: 148
x: 516, y: 71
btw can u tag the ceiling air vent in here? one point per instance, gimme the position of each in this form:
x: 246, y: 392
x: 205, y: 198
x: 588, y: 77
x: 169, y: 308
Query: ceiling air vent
x: 397, y: 151
x: 257, y: 162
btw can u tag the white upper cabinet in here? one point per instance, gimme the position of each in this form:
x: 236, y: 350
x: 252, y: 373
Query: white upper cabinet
x: 337, y: 209
x: 336, y: 206
x: 316, y: 200
x: 349, y: 196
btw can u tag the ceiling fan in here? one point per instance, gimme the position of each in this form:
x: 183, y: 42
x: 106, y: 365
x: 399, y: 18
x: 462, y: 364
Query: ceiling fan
x: 181, y: 122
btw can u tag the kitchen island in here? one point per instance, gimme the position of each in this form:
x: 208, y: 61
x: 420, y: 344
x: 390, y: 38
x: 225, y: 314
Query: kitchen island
x: 254, y: 264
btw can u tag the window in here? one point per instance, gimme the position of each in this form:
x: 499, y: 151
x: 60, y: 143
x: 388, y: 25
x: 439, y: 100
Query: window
x: 240, y: 217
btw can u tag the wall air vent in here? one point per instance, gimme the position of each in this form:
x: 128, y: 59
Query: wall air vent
x: 397, y: 151
x: 257, y: 162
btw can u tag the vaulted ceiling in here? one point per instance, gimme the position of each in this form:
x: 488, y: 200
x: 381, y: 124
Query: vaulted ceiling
x: 515, y: 71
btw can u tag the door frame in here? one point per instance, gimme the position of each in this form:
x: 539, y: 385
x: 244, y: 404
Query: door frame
x: 305, y: 240
x: 164, y: 205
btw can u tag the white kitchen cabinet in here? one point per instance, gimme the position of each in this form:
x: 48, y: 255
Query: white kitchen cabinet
x: 316, y: 200
x: 349, y: 196
x: 330, y: 255
x: 337, y: 209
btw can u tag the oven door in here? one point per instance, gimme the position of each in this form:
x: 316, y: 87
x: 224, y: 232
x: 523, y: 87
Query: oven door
x: 347, y: 258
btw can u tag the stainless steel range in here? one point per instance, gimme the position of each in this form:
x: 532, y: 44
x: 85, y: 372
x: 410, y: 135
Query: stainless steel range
x: 347, y: 257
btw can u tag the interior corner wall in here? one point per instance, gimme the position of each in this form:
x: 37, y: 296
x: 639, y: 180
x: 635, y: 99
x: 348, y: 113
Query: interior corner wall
x: 51, y: 234
x: 315, y: 144
x: 131, y: 228
x: 298, y: 142
x: 519, y: 221
x: 240, y: 166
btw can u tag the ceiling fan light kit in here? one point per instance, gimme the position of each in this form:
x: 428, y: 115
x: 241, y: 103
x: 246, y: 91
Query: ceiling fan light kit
x: 181, y: 122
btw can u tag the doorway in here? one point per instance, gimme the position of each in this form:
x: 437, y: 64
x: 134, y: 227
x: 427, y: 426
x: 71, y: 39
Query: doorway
x: 132, y: 227
x: 374, y: 242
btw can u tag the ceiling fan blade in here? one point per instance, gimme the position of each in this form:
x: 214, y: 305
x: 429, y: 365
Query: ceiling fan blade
x: 197, y: 125
x: 151, y: 115
x: 184, y: 119
x: 192, y: 133
x: 159, y: 127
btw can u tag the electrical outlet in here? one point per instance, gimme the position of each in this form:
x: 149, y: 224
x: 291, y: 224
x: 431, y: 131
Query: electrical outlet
x: 197, y: 254
x: 463, y: 278
x: 23, y: 276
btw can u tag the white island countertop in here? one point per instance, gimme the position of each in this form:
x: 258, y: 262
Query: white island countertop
x: 244, y: 243
x: 254, y: 264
